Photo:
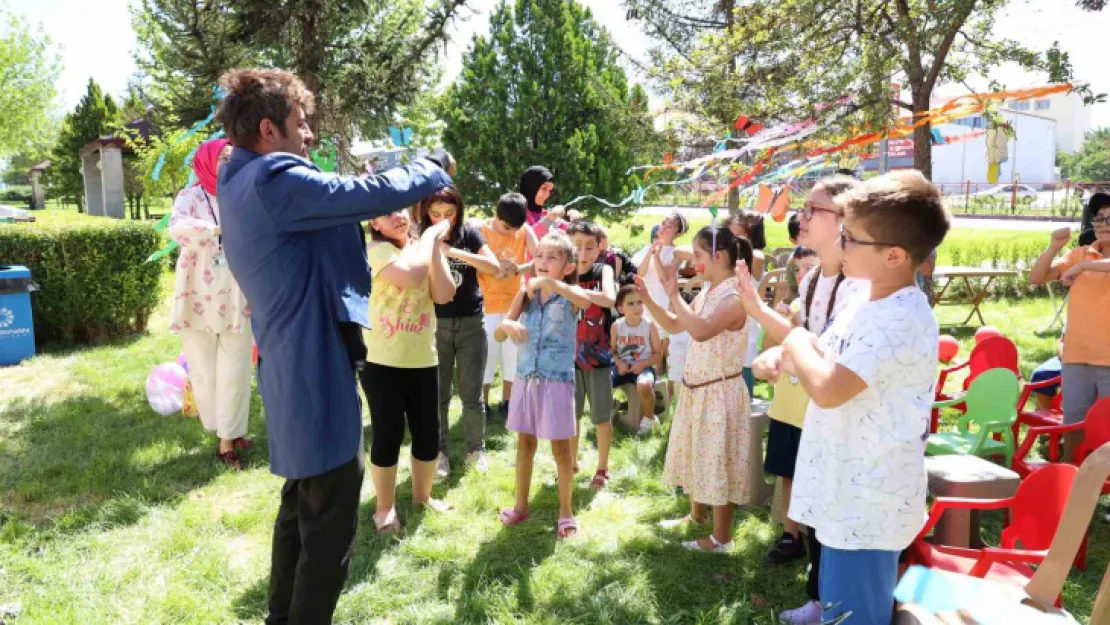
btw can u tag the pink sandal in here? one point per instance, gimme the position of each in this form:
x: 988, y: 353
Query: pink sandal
x: 510, y: 517
x: 600, y: 480
x: 564, y: 528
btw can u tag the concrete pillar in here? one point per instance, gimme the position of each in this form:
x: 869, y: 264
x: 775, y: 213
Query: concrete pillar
x: 111, y: 172
x: 38, y: 196
x: 94, y: 195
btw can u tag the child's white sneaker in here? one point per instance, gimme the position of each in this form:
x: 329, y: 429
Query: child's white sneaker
x: 808, y: 614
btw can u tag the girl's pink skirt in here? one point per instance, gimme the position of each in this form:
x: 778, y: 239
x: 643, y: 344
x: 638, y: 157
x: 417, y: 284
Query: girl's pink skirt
x: 542, y: 408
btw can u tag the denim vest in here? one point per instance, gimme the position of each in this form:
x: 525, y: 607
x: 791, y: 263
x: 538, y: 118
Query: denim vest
x: 549, y: 352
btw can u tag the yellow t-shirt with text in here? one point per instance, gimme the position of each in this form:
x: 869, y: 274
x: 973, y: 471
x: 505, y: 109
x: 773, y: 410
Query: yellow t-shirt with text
x: 402, y: 321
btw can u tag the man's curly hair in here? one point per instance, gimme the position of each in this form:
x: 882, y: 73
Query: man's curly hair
x: 257, y: 94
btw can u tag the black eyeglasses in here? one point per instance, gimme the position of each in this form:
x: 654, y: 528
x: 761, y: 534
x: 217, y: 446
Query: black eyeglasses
x: 809, y: 209
x: 1101, y: 221
x: 846, y: 239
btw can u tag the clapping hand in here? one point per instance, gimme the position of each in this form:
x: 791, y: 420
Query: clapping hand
x: 638, y: 368
x: 514, y: 330
x: 622, y: 367
x: 768, y: 365
x: 746, y: 288
x: 508, y: 268
x: 670, y: 281
x: 540, y: 284
x: 438, y: 232
x: 1060, y: 238
x: 1069, y: 276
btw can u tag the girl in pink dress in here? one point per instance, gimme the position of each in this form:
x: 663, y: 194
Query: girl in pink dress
x: 708, y: 449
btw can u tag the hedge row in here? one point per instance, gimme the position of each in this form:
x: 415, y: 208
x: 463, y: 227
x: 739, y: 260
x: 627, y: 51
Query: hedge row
x: 94, y: 282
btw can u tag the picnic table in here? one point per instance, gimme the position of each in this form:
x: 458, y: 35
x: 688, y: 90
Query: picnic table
x: 977, y: 280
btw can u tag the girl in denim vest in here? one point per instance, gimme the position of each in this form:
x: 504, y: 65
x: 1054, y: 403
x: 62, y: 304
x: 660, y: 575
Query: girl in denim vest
x: 542, y: 320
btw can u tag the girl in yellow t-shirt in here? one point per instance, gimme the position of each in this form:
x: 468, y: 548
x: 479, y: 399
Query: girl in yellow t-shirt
x: 400, y: 379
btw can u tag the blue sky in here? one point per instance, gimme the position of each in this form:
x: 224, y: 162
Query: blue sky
x: 96, y: 40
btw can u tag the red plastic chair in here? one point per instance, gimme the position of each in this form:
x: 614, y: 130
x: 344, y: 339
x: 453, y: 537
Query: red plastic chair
x: 1035, y: 512
x: 1096, y: 432
x: 997, y: 352
x: 1036, y: 417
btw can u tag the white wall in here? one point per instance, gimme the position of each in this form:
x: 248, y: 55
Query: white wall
x: 1032, y: 153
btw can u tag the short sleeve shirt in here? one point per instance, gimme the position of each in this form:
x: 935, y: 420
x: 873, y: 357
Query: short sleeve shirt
x: 403, y: 321
x: 860, y: 480
x: 468, y: 298
x: 499, y: 293
x: 1087, y: 340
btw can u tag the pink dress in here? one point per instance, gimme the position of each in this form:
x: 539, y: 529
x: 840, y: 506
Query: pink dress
x: 708, y: 449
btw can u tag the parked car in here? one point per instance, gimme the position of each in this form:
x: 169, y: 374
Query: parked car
x: 1004, y: 191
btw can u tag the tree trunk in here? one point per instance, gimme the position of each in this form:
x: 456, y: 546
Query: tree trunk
x: 922, y: 138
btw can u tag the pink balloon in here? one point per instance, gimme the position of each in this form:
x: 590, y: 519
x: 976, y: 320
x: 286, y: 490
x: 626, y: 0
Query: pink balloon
x: 165, y: 388
x: 986, y: 332
x: 947, y: 347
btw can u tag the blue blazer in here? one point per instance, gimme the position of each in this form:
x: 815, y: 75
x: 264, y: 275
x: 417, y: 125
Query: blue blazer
x: 291, y: 238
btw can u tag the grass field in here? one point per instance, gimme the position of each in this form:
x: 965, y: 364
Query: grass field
x: 110, y: 514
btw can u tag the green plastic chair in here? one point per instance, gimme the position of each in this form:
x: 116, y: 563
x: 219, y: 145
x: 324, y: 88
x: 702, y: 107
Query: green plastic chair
x: 992, y: 407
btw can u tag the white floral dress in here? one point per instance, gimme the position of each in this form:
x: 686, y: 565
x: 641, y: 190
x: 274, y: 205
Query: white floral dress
x: 708, y: 449
x: 205, y: 295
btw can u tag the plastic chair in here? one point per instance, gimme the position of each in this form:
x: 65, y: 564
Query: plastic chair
x: 996, y: 352
x: 1096, y: 433
x: 1036, y: 417
x: 1044, y: 588
x: 1035, y: 512
x: 991, y: 404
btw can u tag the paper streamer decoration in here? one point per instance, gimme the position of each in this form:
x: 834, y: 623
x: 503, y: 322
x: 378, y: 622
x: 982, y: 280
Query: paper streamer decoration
x: 401, y: 138
x: 217, y: 94
x: 162, y: 253
x: 326, y: 156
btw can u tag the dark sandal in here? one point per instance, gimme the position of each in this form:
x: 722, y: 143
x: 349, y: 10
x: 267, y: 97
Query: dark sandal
x: 230, y: 459
x: 242, y: 443
x: 600, y: 480
x: 565, y: 527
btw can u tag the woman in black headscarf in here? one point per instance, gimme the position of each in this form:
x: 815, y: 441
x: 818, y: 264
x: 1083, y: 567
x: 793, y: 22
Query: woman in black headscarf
x: 1097, y: 202
x: 536, y: 185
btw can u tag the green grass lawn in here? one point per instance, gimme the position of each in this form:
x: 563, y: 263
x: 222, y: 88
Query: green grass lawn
x: 112, y: 514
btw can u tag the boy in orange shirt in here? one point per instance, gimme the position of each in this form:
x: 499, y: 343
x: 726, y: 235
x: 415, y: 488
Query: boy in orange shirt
x: 1086, y: 345
x: 512, y: 241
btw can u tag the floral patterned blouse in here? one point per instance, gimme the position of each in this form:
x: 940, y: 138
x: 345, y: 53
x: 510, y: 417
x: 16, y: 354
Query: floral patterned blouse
x: 205, y: 295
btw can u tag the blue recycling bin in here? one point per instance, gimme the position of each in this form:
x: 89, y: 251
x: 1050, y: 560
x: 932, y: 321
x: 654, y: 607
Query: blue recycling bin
x: 17, y: 332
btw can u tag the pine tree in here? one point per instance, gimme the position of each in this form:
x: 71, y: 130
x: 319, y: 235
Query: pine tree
x: 363, y: 60
x: 96, y: 115
x: 544, y: 88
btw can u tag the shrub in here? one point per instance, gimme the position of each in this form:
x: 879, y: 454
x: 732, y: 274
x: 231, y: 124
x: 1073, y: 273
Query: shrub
x: 94, y: 283
x: 16, y: 195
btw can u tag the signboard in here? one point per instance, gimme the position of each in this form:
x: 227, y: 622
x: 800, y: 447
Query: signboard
x: 899, y: 148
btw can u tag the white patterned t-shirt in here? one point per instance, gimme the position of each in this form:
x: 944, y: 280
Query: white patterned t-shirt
x: 860, y: 480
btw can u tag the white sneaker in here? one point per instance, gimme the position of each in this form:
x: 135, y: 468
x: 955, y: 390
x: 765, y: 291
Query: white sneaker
x: 808, y: 614
x: 646, y: 425
x: 443, y: 466
x: 477, y: 461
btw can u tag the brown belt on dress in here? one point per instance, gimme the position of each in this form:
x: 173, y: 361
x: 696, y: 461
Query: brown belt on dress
x: 729, y: 377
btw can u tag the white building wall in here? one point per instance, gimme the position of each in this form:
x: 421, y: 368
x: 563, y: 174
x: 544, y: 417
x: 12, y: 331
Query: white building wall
x: 1072, y: 117
x: 1031, y: 154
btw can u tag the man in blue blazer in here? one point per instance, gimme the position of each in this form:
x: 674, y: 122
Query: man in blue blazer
x: 292, y: 239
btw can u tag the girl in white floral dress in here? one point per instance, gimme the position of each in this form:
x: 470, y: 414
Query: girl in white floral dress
x: 210, y: 312
x: 708, y: 448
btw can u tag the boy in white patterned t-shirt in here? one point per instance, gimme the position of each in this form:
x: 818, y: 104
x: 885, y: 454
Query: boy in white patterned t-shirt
x: 860, y: 478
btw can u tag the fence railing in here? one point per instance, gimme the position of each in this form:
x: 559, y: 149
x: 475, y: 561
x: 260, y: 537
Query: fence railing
x: 1059, y: 199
